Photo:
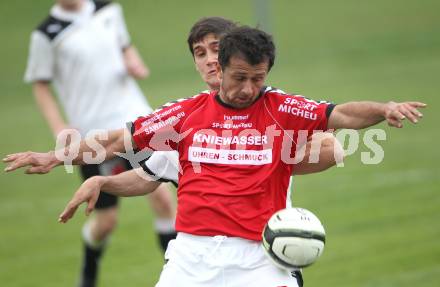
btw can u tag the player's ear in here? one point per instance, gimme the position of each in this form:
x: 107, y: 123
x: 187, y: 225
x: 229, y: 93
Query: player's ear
x: 219, y: 71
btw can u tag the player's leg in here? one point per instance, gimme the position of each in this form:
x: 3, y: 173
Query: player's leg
x: 97, y: 230
x: 96, y: 233
x: 163, y: 206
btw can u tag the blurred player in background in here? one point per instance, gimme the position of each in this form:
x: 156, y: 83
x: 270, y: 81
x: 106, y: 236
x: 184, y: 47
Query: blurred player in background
x: 83, y: 49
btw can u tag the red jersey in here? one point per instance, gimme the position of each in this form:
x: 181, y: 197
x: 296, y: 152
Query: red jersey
x: 235, y: 163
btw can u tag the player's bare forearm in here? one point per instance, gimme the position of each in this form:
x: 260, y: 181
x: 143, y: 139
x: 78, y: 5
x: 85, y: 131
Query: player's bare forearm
x: 102, y: 147
x: 134, y: 63
x: 48, y: 107
x: 328, y: 152
x: 359, y: 115
x: 125, y: 184
x: 129, y: 183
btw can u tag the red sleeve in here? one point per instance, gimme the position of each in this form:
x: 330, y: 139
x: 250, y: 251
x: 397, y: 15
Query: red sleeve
x: 299, y: 117
x: 161, y: 129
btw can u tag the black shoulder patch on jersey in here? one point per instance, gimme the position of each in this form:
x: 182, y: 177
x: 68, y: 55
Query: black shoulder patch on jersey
x: 267, y: 89
x: 148, y: 171
x: 271, y: 89
x: 100, y: 4
x: 52, y: 27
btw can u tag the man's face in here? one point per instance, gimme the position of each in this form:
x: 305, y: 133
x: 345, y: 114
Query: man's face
x: 69, y: 4
x: 206, y: 60
x: 241, y: 82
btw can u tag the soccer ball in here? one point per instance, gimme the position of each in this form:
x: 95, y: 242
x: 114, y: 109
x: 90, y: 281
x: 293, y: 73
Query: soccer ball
x: 293, y: 238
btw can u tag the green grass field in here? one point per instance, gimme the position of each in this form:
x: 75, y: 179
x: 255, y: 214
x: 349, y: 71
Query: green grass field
x: 382, y: 221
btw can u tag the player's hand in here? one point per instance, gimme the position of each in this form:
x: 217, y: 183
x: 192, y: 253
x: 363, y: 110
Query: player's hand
x: 39, y: 163
x: 138, y: 71
x: 88, y: 192
x: 395, y: 113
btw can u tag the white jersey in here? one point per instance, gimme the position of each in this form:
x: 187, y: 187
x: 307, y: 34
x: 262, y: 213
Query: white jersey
x: 81, y: 53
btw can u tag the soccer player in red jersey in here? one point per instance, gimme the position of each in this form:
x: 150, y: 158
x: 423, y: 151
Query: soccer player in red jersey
x: 203, y: 42
x: 235, y: 149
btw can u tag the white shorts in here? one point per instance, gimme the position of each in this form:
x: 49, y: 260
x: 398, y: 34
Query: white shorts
x: 194, y: 261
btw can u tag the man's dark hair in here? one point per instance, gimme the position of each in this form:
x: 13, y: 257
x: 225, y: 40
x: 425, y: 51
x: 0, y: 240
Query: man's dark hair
x: 252, y: 45
x: 209, y: 25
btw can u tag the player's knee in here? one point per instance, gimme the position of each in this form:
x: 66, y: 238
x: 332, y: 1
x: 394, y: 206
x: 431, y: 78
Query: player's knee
x: 106, y: 222
x: 108, y: 226
x: 162, y: 201
x: 162, y: 195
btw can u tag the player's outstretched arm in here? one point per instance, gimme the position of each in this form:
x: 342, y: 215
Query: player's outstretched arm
x: 359, y: 115
x: 134, y: 182
x: 48, y: 106
x: 134, y: 63
x: 327, y: 153
x: 42, y: 163
x: 125, y: 184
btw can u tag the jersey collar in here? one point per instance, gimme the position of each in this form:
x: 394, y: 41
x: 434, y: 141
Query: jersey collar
x: 86, y: 11
x: 219, y: 100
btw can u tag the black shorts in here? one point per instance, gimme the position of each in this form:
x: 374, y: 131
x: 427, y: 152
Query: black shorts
x: 299, y: 278
x: 110, y: 167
